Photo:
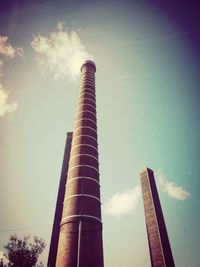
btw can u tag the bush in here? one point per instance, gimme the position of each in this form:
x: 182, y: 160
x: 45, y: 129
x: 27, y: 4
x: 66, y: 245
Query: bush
x: 21, y: 252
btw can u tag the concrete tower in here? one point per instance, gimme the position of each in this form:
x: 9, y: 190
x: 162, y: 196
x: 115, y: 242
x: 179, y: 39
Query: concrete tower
x: 80, y: 240
x: 59, y: 204
x: 159, y: 246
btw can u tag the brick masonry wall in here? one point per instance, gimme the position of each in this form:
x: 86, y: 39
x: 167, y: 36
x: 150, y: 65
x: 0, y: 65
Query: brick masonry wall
x: 159, y: 246
x: 80, y: 241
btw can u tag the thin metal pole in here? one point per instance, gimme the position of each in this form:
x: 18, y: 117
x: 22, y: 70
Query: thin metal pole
x: 79, y: 244
x: 80, y: 230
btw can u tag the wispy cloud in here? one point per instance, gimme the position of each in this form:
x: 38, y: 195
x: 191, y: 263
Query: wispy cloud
x: 6, y: 107
x: 123, y: 203
x: 8, y: 50
x: 171, y: 188
x: 62, y: 52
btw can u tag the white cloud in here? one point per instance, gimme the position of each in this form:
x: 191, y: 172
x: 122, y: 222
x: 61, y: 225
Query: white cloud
x: 123, y: 203
x: 8, y: 50
x: 171, y: 188
x: 62, y: 53
x: 6, y: 107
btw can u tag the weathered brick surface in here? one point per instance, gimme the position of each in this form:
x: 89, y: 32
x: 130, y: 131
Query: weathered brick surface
x: 84, y: 139
x: 80, y: 242
x: 59, y: 205
x: 86, y: 149
x: 159, y: 246
x: 81, y: 171
x: 84, y: 186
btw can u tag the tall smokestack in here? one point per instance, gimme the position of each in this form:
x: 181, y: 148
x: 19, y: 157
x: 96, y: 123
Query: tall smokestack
x: 80, y: 240
x: 159, y: 246
x: 59, y: 204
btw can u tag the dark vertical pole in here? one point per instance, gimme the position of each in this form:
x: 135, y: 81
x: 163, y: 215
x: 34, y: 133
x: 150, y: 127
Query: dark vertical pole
x: 59, y: 203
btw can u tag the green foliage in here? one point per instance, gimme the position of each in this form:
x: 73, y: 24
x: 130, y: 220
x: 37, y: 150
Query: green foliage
x: 22, y: 252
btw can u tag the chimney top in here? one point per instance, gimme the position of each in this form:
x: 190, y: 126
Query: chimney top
x: 146, y: 169
x: 90, y: 63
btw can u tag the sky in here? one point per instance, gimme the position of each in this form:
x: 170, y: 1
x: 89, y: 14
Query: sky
x: 147, y: 83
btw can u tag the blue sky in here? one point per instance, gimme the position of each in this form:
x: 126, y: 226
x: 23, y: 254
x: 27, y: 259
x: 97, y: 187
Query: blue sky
x: 147, y: 80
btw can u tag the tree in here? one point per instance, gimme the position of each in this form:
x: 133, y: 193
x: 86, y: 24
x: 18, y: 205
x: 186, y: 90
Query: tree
x: 22, y: 252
